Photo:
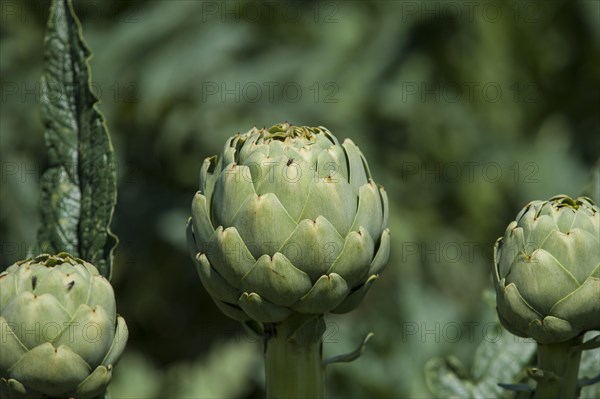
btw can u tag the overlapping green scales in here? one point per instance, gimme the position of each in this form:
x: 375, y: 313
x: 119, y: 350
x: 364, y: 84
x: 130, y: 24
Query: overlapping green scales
x: 547, y: 270
x: 60, y: 334
x: 287, y: 220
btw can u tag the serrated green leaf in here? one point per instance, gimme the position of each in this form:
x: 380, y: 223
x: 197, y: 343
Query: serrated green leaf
x: 444, y: 382
x: 79, y: 186
x: 500, y: 358
x: 501, y: 361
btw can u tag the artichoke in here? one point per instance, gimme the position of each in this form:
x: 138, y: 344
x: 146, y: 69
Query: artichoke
x: 547, y: 270
x: 288, y: 221
x: 60, y: 334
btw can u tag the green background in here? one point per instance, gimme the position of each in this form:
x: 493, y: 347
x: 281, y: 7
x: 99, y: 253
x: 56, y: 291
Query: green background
x: 466, y: 111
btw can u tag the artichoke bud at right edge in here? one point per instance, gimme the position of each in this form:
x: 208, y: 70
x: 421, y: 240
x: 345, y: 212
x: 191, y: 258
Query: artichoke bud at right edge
x: 547, y: 270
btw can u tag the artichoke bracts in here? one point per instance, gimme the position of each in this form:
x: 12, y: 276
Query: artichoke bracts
x: 60, y: 335
x: 547, y: 270
x: 547, y: 278
x: 288, y: 221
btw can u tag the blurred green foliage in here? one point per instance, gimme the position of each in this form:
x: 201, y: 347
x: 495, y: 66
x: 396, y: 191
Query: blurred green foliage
x: 465, y: 110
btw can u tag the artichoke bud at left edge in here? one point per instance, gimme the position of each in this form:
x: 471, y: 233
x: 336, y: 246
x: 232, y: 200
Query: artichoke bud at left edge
x: 60, y: 335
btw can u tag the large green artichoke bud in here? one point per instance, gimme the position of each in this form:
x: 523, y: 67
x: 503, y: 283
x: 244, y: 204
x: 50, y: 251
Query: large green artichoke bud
x: 288, y: 220
x: 547, y: 270
x: 60, y: 334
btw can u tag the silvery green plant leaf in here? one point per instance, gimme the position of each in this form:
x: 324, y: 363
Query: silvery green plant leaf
x: 79, y: 185
x: 501, y: 360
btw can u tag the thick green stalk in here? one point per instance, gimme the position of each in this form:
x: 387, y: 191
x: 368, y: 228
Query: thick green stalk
x: 560, y: 366
x: 294, y: 363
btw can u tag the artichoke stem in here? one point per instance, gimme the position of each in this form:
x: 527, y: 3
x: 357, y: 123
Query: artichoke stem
x: 293, y: 366
x: 560, y: 365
